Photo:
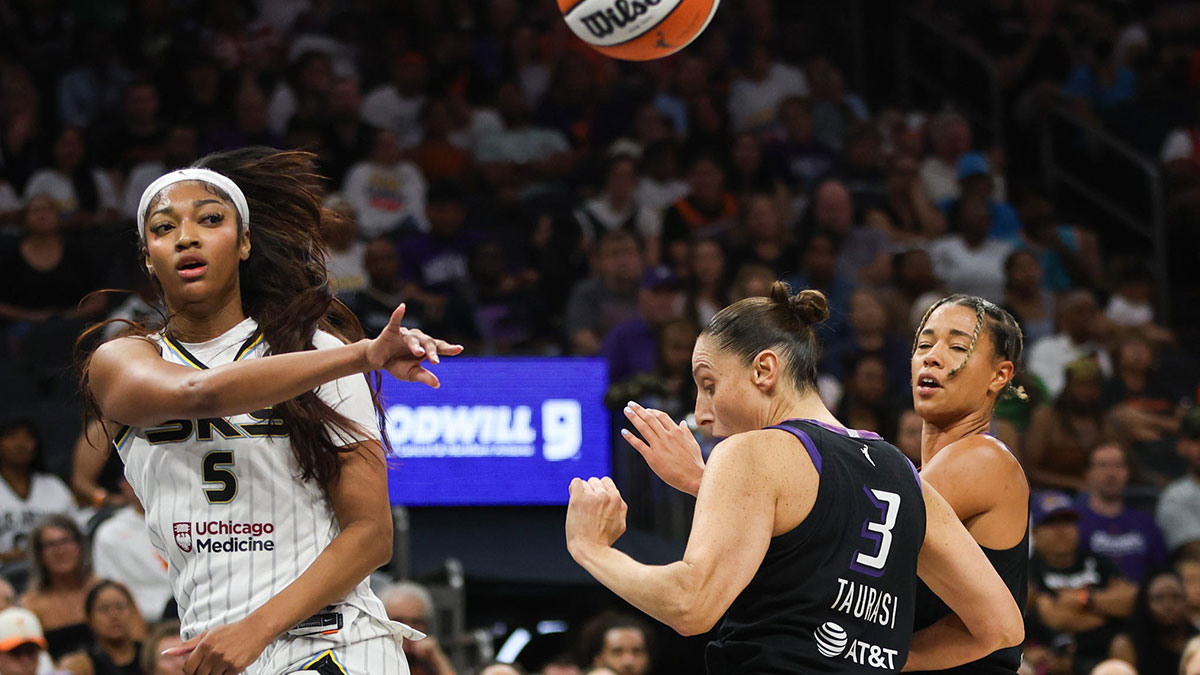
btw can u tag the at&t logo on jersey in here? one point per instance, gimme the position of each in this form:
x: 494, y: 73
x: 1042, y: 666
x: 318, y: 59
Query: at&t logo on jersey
x: 486, y: 430
x: 833, y: 642
x: 224, y: 536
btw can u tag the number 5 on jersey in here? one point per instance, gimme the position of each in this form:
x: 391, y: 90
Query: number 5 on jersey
x: 878, y: 533
x: 220, y: 483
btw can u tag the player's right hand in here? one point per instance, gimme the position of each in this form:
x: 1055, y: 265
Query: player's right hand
x: 669, y: 448
x: 402, y: 351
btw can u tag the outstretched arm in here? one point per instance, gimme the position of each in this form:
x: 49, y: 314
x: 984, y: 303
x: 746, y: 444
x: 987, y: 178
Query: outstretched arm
x: 986, y: 617
x: 134, y: 385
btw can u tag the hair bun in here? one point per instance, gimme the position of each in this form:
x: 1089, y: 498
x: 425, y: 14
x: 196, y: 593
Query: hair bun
x: 808, y: 306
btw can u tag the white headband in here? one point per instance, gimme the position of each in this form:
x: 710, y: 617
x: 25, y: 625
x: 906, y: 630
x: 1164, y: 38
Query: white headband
x: 204, y: 175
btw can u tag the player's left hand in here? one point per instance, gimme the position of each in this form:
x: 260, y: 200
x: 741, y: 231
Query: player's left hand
x: 595, y: 514
x: 225, y: 650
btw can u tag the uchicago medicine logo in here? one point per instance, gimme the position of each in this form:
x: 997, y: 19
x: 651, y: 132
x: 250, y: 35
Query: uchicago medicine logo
x: 183, y: 536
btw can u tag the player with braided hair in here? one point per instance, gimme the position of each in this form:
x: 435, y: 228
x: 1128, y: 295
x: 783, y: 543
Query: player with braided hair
x: 965, y: 353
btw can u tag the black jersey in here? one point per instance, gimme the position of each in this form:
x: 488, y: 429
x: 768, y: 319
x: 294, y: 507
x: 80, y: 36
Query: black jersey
x: 835, y: 594
x: 1013, y: 567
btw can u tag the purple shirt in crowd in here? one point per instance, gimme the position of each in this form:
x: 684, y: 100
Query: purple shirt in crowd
x: 1131, y: 539
x: 630, y: 348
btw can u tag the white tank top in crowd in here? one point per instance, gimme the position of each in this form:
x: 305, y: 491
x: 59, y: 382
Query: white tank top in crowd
x: 227, y: 511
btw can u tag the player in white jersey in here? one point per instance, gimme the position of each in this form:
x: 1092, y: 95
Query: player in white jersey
x: 249, y: 431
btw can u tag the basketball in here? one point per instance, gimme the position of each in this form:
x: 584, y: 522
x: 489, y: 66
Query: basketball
x: 638, y: 30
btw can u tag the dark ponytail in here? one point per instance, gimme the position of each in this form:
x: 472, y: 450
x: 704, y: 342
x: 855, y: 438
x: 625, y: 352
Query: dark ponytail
x: 285, y: 289
x: 781, y: 321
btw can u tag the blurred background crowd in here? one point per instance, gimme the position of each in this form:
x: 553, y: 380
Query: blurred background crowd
x: 527, y: 196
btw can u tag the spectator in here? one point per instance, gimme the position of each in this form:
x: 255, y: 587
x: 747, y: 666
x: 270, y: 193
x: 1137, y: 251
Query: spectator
x: 160, y: 638
x: 707, y: 280
x: 181, y: 147
x: 631, y: 347
x: 835, y: 110
x: 83, y: 194
x: 904, y: 212
x: 502, y: 669
x: 1030, y: 303
x: 374, y: 304
x: 561, y: 665
x: 436, y: 155
x: 249, y: 125
x: 386, y: 192
x: 509, y: 312
x: 971, y: 260
x: 976, y: 184
x: 862, y: 167
x: 1079, y: 326
x: 1069, y: 255
x: 521, y: 160
x: 122, y: 552
x: 709, y: 210
x: 1060, y: 435
x: 616, y: 207
x: 1189, y: 572
x: 750, y: 174
x: 1113, y: 667
x: 22, y: 645
x: 754, y: 97
x: 304, y: 94
x: 27, y: 492
x: 618, y: 642
x: 1107, y: 526
x: 347, y: 271
x: 607, y: 299
x: 136, y: 135
x: 1143, y: 400
x: 1159, y: 628
x: 93, y: 87
x: 1101, y: 84
x: 1190, y: 663
x: 1073, y: 591
x: 200, y: 97
x: 1178, y: 512
x: 913, y: 280
x: 949, y: 139
x: 752, y: 281
x: 818, y: 270
x: 660, y: 185
x: 397, y: 105
x: 868, y: 336
x: 908, y: 435
x: 347, y: 138
x: 411, y: 604
x: 60, y: 579
x: 764, y: 237
x: 799, y: 155
x: 46, y: 275
x: 864, y: 253
x: 1132, y: 301
x: 866, y: 403
x: 113, y: 618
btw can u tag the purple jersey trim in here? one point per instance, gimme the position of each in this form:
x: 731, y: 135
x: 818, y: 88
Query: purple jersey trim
x: 808, y: 444
x: 915, y: 474
x: 852, y: 433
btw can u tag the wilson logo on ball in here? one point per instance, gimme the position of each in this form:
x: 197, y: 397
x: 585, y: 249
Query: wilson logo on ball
x: 637, y: 30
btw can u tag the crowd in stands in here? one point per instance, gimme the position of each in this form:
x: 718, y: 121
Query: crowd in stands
x: 527, y: 196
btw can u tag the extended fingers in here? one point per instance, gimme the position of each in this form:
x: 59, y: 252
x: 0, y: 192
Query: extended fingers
x: 655, y: 419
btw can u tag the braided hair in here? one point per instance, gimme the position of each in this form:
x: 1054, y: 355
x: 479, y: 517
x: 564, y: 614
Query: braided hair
x: 1007, y: 339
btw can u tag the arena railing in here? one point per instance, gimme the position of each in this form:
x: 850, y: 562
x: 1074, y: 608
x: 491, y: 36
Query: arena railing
x: 936, y: 63
x: 1110, y: 179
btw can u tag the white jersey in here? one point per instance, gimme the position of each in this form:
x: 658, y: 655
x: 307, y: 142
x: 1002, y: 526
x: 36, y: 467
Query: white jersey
x: 47, y: 495
x: 225, y: 507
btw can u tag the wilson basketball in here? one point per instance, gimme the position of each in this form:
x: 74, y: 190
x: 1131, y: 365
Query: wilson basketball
x: 638, y: 30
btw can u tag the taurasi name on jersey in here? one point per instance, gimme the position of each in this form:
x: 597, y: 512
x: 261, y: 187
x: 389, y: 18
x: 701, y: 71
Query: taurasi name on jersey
x: 865, y: 602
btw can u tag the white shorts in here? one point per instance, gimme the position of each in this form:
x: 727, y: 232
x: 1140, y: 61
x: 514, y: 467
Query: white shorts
x: 382, y: 655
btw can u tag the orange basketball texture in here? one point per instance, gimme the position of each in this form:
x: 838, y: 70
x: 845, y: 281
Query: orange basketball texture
x: 637, y: 30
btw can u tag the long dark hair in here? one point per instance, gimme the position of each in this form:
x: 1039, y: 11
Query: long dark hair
x: 285, y: 289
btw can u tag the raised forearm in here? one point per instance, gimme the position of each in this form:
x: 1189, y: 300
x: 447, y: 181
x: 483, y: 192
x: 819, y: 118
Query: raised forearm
x: 657, y: 590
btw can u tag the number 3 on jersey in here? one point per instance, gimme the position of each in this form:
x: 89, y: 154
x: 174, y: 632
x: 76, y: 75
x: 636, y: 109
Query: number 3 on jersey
x: 878, y: 533
x: 220, y: 483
